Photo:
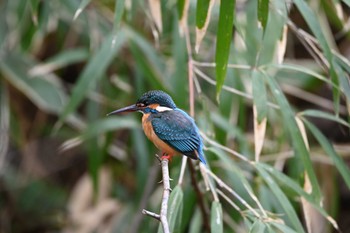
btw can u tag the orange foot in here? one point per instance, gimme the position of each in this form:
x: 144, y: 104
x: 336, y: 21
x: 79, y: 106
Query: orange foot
x: 166, y: 156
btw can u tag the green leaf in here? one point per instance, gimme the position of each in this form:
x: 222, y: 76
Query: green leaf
x: 181, y: 7
x: 223, y: 42
x: 93, y: 71
x: 175, y: 206
x: 46, y: 93
x: 82, y: 6
x: 263, y: 12
x: 216, y: 218
x: 343, y: 81
x: 60, y: 60
x: 305, y: 70
x: 297, y: 139
x: 282, y: 227
x: 257, y: 227
x: 339, y: 163
x: 118, y: 13
x: 282, y: 199
x: 259, y: 94
x: 108, y: 124
x: 324, y: 115
x: 288, y: 182
x: 314, y: 24
x: 202, y: 13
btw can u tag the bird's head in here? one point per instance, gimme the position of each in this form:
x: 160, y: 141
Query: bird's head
x: 150, y: 102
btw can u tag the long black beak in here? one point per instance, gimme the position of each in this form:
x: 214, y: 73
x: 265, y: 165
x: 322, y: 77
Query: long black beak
x: 131, y: 108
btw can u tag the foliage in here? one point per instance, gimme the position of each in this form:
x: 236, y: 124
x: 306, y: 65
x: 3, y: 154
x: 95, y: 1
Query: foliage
x: 266, y: 81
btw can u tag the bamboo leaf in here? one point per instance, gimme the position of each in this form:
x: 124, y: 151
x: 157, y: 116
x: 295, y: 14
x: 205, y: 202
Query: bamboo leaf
x: 287, y: 181
x: 259, y: 94
x: 216, y: 218
x: 328, y: 148
x: 93, y: 72
x: 296, y: 136
x: 314, y: 25
x: 60, y: 60
x: 259, y: 133
x: 175, y: 209
x: 224, y: 36
x: 203, y: 13
x: 263, y: 12
x: 118, y: 13
x: 282, y: 199
x: 324, y: 115
x: 47, y: 94
x: 82, y: 6
x: 258, y: 227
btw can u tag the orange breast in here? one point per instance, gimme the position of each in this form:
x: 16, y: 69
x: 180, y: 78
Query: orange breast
x: 148, y: 129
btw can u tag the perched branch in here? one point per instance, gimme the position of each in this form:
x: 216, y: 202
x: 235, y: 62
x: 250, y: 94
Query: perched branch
x: 162, y: 217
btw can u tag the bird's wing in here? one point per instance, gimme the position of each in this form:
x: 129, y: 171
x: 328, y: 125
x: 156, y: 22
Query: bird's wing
x: 178, y: 130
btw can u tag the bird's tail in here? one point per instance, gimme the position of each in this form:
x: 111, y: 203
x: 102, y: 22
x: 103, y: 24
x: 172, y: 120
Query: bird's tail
x: 200, y: 156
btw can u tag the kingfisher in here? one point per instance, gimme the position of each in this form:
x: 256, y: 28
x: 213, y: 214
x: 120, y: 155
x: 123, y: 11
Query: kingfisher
x: 170, y: 129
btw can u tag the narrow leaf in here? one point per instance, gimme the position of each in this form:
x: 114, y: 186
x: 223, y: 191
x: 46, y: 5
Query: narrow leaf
x: 263, y: 12
x: 224, y: 36
x: 259, y: 133
x: 258, y: 227
x: 93, y: 72
x: 328, y: 148
x: 60, y: 60
x: 259, y: 94
x: 175, y: 209
x: 282, y: 199
x: 324, y: 115
x: 182, y: 8
x: 296, y: 136
x: 203, y: 13
x: 259, y: 111
x: 314, y: 24
x: 216, y: 218
x: 288, y: 182
x: 82, y: 6
x: 118, y: 13
x: 46, y: 94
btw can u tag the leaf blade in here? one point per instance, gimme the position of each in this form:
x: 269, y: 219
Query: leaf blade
x: 224, y: 36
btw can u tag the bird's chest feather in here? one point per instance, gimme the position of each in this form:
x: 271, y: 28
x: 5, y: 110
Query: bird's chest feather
x: 148, y: 129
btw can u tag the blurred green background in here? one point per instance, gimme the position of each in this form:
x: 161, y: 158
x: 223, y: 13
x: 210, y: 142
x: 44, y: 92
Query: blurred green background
x: 268, y: 86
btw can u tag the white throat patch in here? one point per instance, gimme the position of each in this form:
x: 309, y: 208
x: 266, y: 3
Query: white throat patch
x: 163, y: 109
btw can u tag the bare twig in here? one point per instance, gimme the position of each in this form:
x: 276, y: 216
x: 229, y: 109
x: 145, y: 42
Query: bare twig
x: 151, y: 214
x: 162, y: 217
x: 166, y: 195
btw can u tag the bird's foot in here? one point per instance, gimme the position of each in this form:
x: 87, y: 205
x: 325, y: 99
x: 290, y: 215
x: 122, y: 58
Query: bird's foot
x: 166, y: 156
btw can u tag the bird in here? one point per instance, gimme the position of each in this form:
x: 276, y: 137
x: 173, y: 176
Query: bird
x: 170, y: 129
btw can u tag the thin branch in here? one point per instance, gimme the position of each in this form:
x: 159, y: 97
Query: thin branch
x: 166, y: 195
x: 151, y: 214
x: 162, y: 217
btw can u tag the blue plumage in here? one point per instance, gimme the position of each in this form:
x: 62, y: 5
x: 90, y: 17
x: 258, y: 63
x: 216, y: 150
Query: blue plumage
x: 178, y: 130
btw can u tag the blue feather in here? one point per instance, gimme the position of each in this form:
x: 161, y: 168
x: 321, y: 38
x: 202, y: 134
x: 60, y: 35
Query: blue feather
x: 178, y: 130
